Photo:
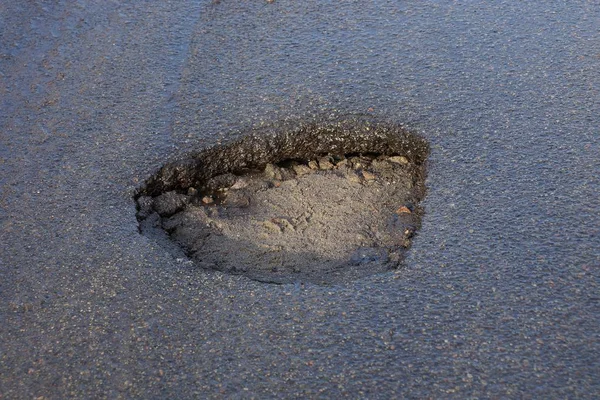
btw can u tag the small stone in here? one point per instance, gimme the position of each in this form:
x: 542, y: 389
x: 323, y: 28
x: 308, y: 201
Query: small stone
x: 301, y: 169
x: 369, y: 176
x: 342, y: 163
x: 239, y: 184
x: 237, y: 199
x: 357, y: 162
x: 353, y: 177
x: 312, y: 164
x: 403, y: 210
x: 169, y: 203
x: 263, y: 185
x: 273, y: 172
x: 398, y: 160
x: 270, y: 171
x: 192, y: 191
x: 219, y: 182
x: 325, y: 163
x: 207, y: 200
x: 410, y: 231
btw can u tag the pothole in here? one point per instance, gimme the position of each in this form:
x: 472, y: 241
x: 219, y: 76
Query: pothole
x: 320, y: 202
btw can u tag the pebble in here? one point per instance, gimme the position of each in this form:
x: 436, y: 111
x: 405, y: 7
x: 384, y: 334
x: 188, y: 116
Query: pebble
x: 403, y: 210
x: 342, y: 163
x: 301, y: 169
x: 398, y: 160
x: 192, y: 191
x: 239, y: 184
x: 352, y: 177
x: 313, y: 164
x: 358, y: 163
x: 237, y: 199
x: 409, y: 231
x: 169, y: 203
x: 369, y: 176
x: 220, y: 181
x: 273, y: 172
x: 325, y: 163
x: 207, y: 200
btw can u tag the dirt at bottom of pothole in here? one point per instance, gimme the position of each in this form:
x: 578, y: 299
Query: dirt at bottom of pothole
x: 326, y: 221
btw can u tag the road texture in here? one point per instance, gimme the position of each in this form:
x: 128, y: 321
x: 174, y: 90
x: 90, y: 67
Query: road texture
x: 499, y: 297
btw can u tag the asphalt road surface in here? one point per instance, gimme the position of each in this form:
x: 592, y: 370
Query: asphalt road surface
x: 499, y: 297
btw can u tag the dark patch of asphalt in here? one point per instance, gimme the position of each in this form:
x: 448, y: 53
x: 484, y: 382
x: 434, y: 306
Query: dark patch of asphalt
x: 499, y: 296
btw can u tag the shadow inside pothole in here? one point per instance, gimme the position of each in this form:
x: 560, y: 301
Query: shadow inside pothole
x: 323, y: 202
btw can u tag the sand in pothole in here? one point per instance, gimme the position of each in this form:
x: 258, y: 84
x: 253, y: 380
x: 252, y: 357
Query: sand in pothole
x: 324, y: 221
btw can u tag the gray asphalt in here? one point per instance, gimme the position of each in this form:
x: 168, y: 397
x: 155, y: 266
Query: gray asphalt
x: 499, y: 297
